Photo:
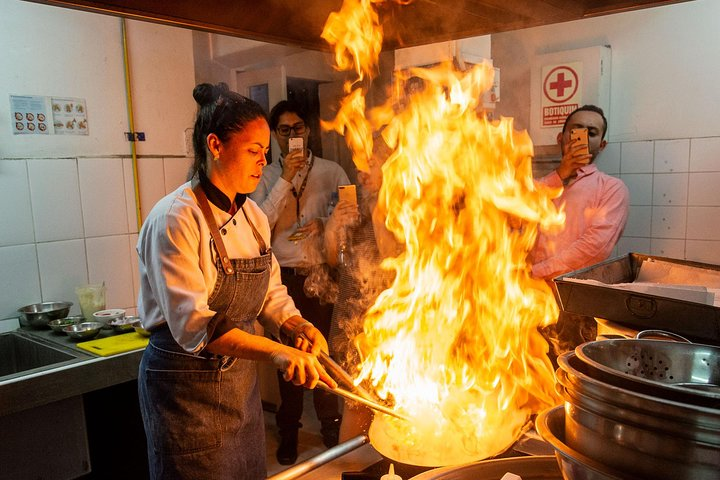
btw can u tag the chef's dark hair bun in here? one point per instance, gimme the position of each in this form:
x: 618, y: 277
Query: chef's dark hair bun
x: 222, y: 112
x: 206, y: 93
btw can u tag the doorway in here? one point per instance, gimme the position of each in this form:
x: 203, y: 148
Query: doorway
x: 304, y: 92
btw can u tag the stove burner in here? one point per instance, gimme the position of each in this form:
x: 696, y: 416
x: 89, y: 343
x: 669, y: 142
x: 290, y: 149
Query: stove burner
x: 377, y: 470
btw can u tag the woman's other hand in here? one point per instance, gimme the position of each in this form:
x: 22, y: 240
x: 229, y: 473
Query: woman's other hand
x: 300, y: 368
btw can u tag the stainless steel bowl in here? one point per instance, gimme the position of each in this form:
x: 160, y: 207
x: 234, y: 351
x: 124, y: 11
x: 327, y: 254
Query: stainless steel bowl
x: 59, y: 324
x: 84, y: 330
x: 645, y: 436
x: 643, y: 452
x: 685, y: 420
x: 122, y: 325
x: 550, y: 424
x: 37, y: 315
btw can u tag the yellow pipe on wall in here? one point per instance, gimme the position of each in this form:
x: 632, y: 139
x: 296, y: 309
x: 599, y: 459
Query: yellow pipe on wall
x: 131, y: 123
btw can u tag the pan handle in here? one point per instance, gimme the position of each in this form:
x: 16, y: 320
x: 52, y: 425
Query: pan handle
x: 654, y: 334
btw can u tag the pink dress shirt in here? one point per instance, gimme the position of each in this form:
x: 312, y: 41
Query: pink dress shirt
x: 596, y: 209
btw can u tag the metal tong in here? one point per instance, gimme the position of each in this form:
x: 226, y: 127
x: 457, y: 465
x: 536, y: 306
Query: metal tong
x: 347, y: 389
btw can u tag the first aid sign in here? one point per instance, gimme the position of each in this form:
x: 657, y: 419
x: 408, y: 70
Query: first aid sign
x: 561, y: 92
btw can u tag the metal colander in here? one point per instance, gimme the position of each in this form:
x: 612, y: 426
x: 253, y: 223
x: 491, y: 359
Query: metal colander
x: 685, y: 372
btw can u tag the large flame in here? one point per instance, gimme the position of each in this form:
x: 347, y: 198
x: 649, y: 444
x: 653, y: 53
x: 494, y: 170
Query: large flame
x: 454, y: 342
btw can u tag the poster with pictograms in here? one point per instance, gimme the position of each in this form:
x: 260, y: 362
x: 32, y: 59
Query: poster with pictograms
x: 561, y: 92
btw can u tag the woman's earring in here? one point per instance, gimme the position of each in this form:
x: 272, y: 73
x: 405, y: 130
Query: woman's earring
x: 216, y: 158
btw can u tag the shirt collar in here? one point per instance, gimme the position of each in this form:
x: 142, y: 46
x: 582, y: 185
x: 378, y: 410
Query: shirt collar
x: 217, y: 197
x: 588, y: 169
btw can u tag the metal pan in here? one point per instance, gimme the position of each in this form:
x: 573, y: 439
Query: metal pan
x: 682, y: 372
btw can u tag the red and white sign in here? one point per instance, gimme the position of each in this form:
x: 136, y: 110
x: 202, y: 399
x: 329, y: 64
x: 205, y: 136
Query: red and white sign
x: 561, y: 92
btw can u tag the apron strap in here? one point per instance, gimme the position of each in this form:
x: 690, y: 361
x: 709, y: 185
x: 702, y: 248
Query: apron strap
x: 214, y: 232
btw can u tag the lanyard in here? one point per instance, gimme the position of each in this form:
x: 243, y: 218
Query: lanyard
x: 298, y: 193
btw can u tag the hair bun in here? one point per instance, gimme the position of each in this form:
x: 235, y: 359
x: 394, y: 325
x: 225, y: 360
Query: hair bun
x: 206, y: 93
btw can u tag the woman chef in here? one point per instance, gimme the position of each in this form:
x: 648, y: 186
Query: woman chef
x: 207, y: 274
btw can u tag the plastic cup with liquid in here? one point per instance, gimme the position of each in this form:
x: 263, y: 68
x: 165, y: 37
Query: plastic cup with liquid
x: 92, y: 299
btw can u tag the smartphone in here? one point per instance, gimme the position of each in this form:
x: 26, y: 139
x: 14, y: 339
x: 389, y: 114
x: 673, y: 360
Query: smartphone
x: 296, y: 143
x: 581, y: 134
x: 347, y: 193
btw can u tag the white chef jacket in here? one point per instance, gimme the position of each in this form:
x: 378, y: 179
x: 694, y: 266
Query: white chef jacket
x: 178, y: 272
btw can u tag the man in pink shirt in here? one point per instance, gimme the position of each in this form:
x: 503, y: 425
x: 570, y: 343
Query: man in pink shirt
x: 596, y: 209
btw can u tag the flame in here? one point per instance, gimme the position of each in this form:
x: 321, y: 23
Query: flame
x: 454, y: 342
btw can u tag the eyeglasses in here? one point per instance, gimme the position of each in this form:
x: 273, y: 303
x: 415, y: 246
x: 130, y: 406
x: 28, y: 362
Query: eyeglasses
x: 284, y: 130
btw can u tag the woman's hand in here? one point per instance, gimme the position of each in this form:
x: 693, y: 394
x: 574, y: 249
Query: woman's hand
x: 309, y: 339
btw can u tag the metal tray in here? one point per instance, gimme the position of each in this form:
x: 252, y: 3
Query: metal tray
x: 698, y: 322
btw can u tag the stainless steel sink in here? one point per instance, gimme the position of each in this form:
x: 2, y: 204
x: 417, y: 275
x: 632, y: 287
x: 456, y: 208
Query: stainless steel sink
x: 22, y: 354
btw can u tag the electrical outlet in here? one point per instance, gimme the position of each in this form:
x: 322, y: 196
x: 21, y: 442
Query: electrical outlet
x: 135, y: 136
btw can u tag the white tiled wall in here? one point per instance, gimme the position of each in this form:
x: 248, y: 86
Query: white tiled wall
x: 674, y: 198
x: 70, y: 221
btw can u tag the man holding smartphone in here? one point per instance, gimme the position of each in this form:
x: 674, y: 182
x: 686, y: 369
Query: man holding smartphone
x: 295, y: 193
x: 596, y: 209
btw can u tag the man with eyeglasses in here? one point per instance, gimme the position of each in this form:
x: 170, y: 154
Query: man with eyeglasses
x: 295, y: 194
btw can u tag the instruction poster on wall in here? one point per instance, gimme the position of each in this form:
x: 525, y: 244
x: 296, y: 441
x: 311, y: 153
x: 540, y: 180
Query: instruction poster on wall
x: 69, y: 116
x: 36, y: 114
x: 29, y: 115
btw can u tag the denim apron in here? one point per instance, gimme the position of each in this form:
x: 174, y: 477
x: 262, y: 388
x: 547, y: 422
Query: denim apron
x: 203, y: 414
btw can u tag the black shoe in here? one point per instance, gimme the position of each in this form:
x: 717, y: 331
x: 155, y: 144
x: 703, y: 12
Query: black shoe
x: 330, y: 431
x: 287, y: 451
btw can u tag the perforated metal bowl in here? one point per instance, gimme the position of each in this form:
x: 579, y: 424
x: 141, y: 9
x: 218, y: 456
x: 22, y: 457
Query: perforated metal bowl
x: 683, y: 372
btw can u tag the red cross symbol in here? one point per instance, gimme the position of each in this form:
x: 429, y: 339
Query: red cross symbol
x: 559, y: 80
x: 560, y: 84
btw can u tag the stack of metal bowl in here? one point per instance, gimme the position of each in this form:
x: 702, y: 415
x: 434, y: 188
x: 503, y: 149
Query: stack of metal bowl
x: 645, y: 408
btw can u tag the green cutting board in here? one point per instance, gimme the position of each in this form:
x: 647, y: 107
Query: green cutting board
x: 124, y: 342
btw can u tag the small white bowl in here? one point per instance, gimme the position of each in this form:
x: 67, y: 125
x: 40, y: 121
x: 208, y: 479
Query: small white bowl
x: 107, y: 316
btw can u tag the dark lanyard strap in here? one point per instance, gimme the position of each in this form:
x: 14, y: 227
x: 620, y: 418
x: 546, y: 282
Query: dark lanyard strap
x: 298, y: 193
x: 258, y: 238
